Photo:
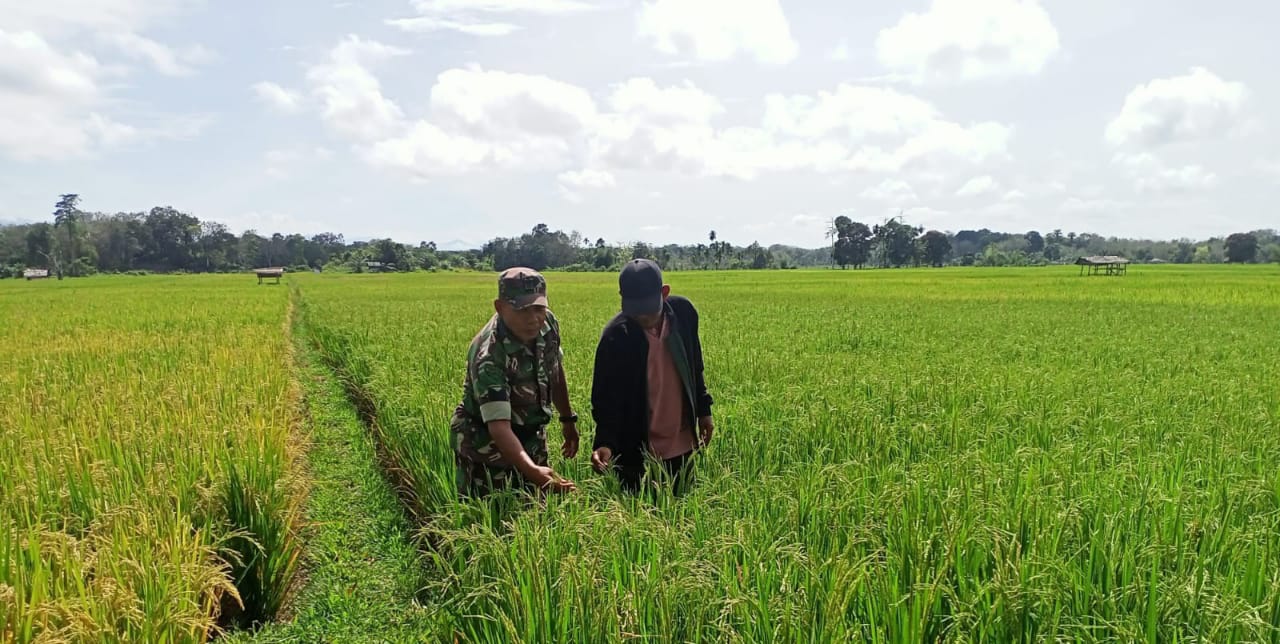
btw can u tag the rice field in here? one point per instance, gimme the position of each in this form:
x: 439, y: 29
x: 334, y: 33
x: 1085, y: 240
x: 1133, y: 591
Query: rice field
x: 900, y: 456
x: 146, y: 483
x: 959, y: 455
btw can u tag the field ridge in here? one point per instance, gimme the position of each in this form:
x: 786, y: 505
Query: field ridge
x: 361, y: 570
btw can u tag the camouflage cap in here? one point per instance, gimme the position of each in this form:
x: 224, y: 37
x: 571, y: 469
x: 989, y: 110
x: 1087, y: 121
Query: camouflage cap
x: 522, y: 287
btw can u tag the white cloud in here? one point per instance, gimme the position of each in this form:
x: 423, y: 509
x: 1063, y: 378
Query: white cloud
x: 428, y: 24
x: 808, y: 220
x: 425, y: 150
x: 569, y: 195
x: 161, y: 57
x: 277, y: 97
x: 490, y: 119
x: 850, y: 129
x: 964, y: 40
x: 642, y: 98
x: 548, y: 7
x: 501, y: 104
x: 33, y: 67
x: 58, y: 18
x: 1191, y: 107
x: 633, y: 142
x: 470, y: 16
x: 1182, y: 179
x: 978, y: 186
x: 1139, y: 161
x: 718, y: 30
x: 857, y: 111
x: 485, y: 119
x: 1267, y: 167
x: 1152, y: 175
x: 62, y: 66
x: 879, y: 117
x: 1015, y: 195
x: 895, y: 191
x: 588, y: 178
x: 1086, y: 205
x: 351, y: 99
x: 946, y: 141
x: 51, y: 103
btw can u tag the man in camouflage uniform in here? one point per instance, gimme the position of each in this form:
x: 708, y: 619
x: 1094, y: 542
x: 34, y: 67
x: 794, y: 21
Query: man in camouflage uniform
x: 514, y: 375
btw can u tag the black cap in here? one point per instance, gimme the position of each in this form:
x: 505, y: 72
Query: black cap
x: 640, y: 284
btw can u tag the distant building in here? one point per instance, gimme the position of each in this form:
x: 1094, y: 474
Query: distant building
x: 271, y: 272
x: 36, y: 273
x: 1103, y: 265
x: 379, y: 267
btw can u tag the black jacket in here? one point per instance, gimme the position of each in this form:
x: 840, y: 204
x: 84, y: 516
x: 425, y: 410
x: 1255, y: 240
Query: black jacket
x: 619, y: 387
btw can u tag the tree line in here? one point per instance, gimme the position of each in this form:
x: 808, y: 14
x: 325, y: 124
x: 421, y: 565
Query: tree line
x: 895, y: 243
x: 164, y: 239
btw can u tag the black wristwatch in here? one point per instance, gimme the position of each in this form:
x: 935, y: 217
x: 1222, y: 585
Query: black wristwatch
x: 571, y: 418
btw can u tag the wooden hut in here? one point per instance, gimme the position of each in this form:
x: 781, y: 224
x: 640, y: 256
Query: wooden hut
x: 269, y: 273
x: 1103, y: 265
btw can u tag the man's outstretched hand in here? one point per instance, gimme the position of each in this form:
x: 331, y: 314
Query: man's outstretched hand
x: 600, y: 458
x: 570, y: 434
x: 548, y: 481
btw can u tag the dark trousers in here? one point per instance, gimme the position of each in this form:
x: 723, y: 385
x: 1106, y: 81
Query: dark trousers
x: 677, y: 471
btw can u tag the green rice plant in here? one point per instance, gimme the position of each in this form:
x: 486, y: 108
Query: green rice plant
x: 145, y: 443
x: 906, y: 455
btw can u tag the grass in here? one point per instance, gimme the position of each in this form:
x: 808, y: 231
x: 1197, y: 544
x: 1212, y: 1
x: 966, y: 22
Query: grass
x: 362, y: 570
x: 902, y: 455
x: 147, y: 488
x: 907, y: 455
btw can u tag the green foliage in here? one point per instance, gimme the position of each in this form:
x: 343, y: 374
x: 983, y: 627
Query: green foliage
x: 165, y: 239
x: 977, y: 478
x: 896, y: 242
x: 14, y: 269
x: 1270, y: 253
x: 362, y: 570
x: 1242, y: 248
x: 852, y: 246
x: 935, y: 247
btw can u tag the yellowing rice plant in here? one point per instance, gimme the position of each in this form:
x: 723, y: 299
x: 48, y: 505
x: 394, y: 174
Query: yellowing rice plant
x: 146, y: 483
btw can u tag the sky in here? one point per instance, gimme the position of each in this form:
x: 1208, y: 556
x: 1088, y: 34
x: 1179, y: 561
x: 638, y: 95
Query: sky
x: 658, y: 121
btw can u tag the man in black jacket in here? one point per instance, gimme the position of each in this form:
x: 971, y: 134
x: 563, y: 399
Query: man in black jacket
x: 648, y: 390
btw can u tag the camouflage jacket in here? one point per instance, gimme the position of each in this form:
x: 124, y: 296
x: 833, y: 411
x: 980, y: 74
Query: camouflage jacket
x: 508, y: 380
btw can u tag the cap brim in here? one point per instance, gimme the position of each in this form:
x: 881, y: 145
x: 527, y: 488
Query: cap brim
x: 525, y: 301
x: 642, y: 305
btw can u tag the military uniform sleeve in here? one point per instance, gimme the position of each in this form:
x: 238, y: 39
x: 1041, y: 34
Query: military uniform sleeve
x: 554, y: 323
x: 489, y: 383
